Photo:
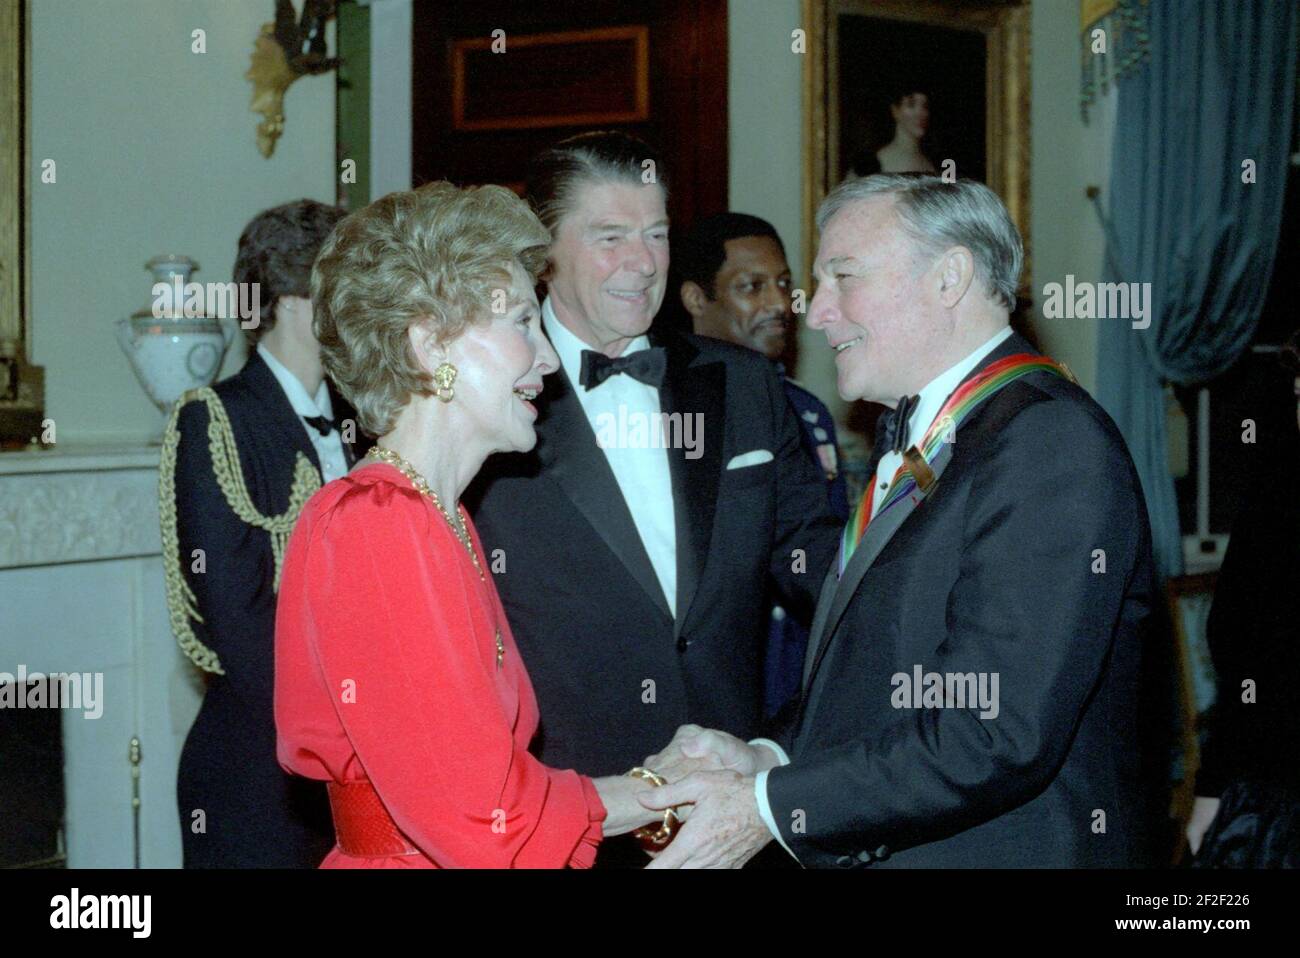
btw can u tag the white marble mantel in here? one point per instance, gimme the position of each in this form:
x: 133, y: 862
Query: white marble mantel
x: 72, y: 457
x: 78, y: 503
x: 81, y: 590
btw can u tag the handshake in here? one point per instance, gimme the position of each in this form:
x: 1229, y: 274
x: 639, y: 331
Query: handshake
x: 710, y: 783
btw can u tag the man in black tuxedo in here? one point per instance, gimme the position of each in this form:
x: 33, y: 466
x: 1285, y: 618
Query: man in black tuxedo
x: 736, y: 286
x: 1014, y: 567
x: 632, y: 549
x: 239, y: 461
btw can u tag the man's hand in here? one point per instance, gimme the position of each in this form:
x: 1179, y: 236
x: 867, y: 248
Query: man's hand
x: 724, y: 830
x: 696, y: 749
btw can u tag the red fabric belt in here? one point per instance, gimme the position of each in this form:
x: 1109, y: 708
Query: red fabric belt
x: 362, y: 826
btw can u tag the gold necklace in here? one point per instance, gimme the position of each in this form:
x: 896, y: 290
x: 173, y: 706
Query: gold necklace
x: 380, y: 454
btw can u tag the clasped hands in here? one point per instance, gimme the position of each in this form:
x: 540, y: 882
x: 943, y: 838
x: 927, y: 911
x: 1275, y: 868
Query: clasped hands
x: 710, y: 777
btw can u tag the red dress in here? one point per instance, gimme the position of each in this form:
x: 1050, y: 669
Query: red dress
x: 386, y: 670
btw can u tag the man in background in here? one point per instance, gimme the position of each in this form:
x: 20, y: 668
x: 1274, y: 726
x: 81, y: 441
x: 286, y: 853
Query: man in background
x: 239, y: 461
x: 736, y: 286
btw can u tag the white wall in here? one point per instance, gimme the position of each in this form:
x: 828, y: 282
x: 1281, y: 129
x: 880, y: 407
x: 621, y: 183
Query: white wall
x: 1066, y: 157
x: 390, y: 96
x: 765, y: 150
x: 155, y: 151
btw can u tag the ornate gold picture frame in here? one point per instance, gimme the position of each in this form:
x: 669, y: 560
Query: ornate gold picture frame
x: 1004, y: 26
x: 22, y: 386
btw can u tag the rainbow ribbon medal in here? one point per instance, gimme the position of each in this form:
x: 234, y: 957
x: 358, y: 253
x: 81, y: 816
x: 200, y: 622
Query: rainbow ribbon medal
x: 917, y: 464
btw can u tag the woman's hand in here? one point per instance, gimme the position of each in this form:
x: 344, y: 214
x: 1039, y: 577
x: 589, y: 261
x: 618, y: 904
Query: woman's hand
x: 623, y: 813
x: 692, y: 749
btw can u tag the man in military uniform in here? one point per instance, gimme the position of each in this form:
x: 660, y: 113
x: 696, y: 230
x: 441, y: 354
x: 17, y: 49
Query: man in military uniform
x: 239, y: 460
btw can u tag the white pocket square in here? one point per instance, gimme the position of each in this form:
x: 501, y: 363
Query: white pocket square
x: 755, y: 458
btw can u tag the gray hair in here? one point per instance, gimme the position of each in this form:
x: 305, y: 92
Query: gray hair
x: 938, y: 216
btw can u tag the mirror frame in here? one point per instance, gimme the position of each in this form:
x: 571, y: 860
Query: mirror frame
x: 22, y: 386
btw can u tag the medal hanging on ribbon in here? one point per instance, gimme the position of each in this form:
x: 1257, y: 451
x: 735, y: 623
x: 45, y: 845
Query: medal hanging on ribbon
x: 918, y: 462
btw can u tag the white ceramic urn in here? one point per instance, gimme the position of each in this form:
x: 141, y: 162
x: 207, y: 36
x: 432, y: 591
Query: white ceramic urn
x: 170, y: 351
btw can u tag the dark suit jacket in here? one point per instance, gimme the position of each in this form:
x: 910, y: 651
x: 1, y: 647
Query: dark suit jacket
x: 615, y: 674
x: 256, y: 815
x: 996, y: 571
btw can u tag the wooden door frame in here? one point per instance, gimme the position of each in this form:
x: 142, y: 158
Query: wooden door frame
x: 699, y: 133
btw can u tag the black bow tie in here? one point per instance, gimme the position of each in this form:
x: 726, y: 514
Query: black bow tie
x: 646, y: 365
x: 891, y: 427
x: 320, y: 424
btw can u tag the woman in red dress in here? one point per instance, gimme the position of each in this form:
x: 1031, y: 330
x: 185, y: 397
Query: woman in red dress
x: 397, y: 680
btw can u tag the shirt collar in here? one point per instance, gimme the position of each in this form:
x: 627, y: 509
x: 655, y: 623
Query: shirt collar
x: 569, y: 347
x: 936, y: 392
x: 295, y: 391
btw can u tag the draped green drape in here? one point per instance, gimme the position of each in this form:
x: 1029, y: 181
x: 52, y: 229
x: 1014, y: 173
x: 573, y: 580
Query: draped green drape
x: 1197, y: 180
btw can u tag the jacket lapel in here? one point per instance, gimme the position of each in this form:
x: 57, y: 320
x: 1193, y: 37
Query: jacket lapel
x: 693, y: 391
x: 279, y: 411
x: 569, y: 455
x: 822, y: 612
x: 879, y: 532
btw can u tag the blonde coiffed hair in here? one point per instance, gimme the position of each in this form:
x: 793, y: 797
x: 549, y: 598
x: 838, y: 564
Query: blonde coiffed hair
x: 432, y: 254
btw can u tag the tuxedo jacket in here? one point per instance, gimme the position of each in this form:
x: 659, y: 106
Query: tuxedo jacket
x: 254, y: 814
x: 1029, y: 560
x: 615, y: 672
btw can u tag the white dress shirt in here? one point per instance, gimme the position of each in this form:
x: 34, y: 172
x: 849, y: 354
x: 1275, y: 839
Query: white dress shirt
x: 640, y: 469
x: 329, y: 449
x: 929, y: 401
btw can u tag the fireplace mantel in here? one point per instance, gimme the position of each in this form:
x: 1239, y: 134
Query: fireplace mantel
x: 78, y: 503
x: 82, y: 589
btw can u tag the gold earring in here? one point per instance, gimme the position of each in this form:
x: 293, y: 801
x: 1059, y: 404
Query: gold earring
x: 443, y: 377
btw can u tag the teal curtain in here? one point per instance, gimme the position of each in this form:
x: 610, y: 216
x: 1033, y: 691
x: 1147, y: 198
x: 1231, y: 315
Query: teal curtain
x: 1217, y: 89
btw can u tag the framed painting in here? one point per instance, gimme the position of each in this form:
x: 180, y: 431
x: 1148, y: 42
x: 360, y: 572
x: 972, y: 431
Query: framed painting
x: 919, y: 85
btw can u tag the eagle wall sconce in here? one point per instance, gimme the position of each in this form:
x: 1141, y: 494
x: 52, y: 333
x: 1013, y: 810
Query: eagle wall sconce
x: 284, y: 51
